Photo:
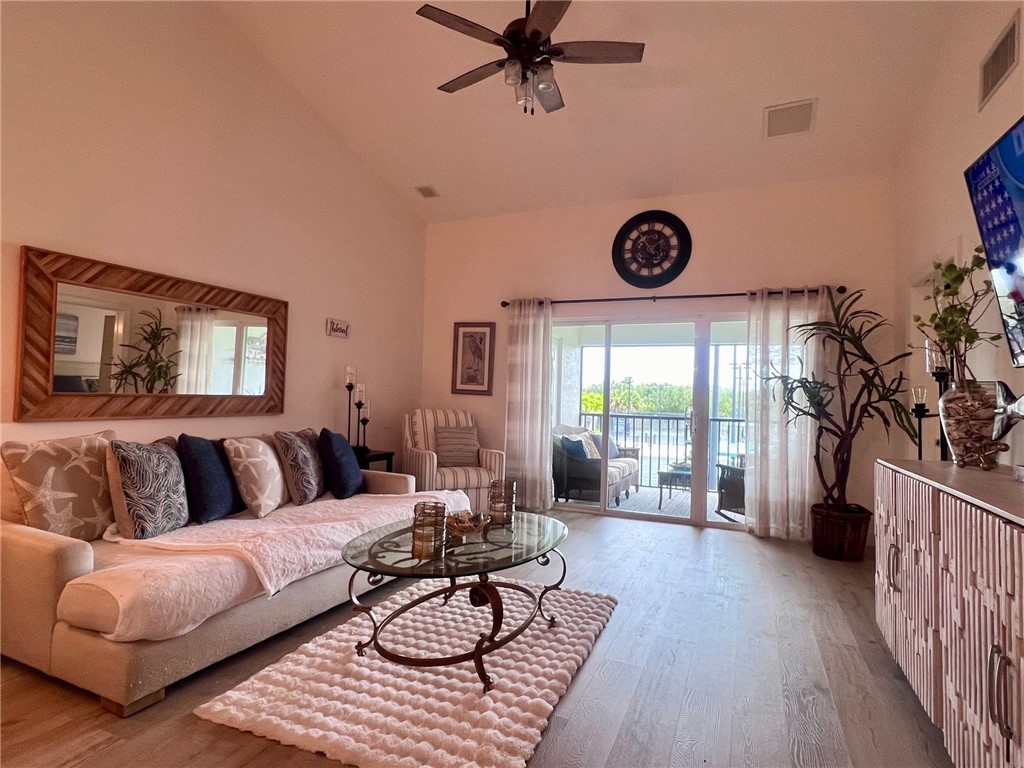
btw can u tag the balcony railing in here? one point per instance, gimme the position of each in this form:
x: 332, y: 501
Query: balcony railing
x: 667, y: 438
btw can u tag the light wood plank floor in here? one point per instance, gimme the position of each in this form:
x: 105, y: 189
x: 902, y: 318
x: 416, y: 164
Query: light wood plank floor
x: 724, y: 650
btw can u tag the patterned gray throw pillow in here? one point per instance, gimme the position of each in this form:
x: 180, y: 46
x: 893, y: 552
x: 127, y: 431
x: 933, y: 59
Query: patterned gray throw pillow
x: 301, y: 463
x: 147, y: 487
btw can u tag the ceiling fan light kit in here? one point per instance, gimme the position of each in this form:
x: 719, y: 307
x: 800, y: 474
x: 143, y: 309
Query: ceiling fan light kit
x: 528, y: 65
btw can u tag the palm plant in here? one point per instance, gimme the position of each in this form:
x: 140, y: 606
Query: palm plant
x: 150, y: 371
x: 856, y: 390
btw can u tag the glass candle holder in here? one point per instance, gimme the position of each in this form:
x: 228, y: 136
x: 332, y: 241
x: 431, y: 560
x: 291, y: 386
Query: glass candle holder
x: 919, y: 395
x: 501, y: 501
x: 934, y: 357
x: 428, y: 531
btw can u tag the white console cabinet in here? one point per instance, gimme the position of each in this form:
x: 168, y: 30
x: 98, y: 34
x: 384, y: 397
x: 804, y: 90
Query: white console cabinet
x: 949, y: 599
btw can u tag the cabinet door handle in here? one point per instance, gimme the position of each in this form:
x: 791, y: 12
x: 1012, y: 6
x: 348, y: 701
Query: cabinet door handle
x: 888, y: 566
x: 990, y: 683
x: 895, y: 568
x: 1003, y: 695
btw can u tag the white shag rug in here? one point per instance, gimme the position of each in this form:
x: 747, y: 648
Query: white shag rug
x: 373, y: 713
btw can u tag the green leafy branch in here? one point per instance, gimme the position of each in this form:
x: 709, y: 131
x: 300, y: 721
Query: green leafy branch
x: 957, y: 303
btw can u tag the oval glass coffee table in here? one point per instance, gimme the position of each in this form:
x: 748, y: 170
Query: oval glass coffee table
x: 387, y: 551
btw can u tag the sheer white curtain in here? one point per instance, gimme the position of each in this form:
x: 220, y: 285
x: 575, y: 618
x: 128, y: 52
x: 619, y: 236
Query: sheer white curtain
x: 780, y: 480
x: 528, y: 410
x: 195, y: 340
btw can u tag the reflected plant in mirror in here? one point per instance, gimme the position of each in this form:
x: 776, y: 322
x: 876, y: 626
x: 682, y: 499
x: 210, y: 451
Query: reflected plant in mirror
x: 150, y: 369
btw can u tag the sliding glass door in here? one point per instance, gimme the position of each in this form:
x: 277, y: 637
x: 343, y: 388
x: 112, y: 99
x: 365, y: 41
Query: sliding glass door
x: 644, y: 415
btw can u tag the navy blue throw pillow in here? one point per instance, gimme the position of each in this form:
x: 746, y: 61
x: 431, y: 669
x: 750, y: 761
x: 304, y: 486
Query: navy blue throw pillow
x: 574, y: 448
x: 342, y: 474
x: 209, y: 484
x: 613, y: 449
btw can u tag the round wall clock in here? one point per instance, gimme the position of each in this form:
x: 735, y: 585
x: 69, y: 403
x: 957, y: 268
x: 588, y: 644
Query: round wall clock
x: 651, y: 249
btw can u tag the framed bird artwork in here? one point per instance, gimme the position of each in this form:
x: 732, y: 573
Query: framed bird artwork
x: 473, y: 359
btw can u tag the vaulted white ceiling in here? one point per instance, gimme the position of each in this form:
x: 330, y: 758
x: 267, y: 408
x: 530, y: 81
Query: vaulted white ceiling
x: 686, y: 120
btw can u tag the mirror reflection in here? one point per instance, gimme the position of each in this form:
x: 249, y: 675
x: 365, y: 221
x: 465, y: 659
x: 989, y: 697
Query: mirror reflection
x: 110, y: 342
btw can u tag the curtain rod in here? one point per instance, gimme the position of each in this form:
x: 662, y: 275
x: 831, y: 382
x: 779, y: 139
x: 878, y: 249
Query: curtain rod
x: 840, y: 290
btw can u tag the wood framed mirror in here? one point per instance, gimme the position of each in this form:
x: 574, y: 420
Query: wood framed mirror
x: 104, y: 341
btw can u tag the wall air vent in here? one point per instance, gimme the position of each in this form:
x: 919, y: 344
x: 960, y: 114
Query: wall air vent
x: 427, y: 191
x: 1000, y: 61
x: 784, y: 119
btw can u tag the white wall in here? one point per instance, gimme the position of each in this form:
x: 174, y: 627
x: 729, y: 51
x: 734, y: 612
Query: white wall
x: 152, y: 135
x: 839, y: 231
x: 935, y: 217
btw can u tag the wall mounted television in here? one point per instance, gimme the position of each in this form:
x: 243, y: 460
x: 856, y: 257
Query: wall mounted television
x: 996, y: 185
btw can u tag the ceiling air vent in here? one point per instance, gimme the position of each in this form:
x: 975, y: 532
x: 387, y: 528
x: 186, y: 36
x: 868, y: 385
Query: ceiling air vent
x: 784, y: 119
x: 427, y: 191
x: 1000, y: 61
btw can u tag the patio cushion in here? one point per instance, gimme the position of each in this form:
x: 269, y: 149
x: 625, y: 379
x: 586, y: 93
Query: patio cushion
x: 620, y: 468
x: 574, y: 447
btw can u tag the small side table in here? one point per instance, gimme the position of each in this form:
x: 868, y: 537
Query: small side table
x: 370, y: 455
x: 673, y: 477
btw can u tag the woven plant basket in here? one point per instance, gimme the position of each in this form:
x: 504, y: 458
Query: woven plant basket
x: 839, y: 535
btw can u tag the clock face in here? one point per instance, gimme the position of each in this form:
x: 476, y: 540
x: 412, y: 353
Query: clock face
x: 651, y: 249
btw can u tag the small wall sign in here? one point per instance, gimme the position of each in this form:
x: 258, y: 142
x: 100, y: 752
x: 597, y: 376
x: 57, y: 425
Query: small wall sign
x: 337, y: 327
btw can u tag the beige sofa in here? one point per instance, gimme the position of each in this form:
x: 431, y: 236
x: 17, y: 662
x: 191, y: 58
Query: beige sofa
x: 36, y: 566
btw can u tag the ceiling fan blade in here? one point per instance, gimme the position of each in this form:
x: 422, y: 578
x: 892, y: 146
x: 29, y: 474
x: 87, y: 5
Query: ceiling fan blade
x: 545, y: 17
x: 473, y: 76
x: 459, y: 24
x: 550, y: 100
x: 598, y: 52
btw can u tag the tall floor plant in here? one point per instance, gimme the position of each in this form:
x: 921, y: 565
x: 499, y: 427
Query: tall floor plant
x: 858, y: 387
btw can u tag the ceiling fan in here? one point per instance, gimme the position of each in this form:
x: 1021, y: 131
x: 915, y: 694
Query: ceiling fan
x: 529, y: 53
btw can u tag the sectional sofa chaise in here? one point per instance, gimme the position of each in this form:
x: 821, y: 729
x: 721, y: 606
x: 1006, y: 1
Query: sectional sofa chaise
x: 125, y: 616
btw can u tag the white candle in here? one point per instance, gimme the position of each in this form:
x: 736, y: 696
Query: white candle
x: 350, y: 375
x: 360, y: 393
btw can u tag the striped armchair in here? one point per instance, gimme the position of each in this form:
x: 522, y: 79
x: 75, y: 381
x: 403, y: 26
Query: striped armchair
x: 419, y: 457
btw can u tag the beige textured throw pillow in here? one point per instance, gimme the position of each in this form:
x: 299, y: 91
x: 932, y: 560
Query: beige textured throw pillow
x: 147, y: 486
x: 258, y: 473
x: 62, y: 484
x: 457, y: 447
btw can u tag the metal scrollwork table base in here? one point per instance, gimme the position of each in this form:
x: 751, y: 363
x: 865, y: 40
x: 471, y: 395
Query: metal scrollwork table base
x: 386, y: 551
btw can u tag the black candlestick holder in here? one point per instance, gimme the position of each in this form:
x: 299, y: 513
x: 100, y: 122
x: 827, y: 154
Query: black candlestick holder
x: 941, y: 375
x: 361, y: 451
x: 350, y: 386
x: 364, y: 421
x: 359, y: 414
x: 920, y: 411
